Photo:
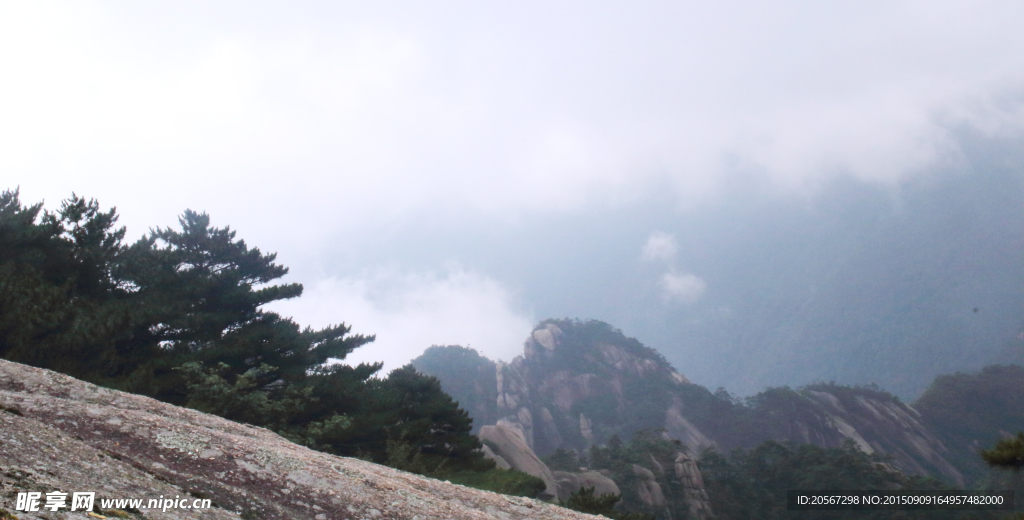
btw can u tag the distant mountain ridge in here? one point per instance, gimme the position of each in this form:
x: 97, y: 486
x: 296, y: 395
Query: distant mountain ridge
x: 579, y: 383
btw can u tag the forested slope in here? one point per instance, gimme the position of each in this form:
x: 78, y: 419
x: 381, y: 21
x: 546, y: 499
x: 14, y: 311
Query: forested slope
x: 177, y: 315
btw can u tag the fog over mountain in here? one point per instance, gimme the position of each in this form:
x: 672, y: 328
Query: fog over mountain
x: 767, y: 194
x: 858, y: 283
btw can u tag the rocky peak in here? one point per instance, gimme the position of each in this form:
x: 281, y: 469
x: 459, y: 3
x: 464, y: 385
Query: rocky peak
x: 590, y: 346
x: 578, y: 384
x: 543, y: 341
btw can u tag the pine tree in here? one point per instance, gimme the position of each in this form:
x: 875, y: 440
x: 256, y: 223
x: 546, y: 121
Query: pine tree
x: 1007, y: 453
x: 202, y: 291
x: 425, y: 417
x: 60, y: 307
x: 404, y: 420
x: 177, y: 316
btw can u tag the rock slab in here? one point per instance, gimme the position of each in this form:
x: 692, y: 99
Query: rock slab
x: 61, y: 434
x: 509, y: 445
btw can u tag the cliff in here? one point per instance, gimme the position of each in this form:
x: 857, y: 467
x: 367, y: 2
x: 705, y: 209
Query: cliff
x: 578, y: 384
x: 61, y: 434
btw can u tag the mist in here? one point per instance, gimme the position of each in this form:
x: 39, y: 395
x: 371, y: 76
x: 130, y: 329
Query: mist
x: 768, y: 195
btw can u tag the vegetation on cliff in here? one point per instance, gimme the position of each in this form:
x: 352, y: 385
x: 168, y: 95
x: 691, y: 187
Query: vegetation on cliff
x: 464, y: 373
x: 584, y: 501
x: 970, y: 412
x: 752, y: 484
x: 743, y: 484
x: 574, y: 368
x: 646, y: 449
x: 747, y: 484
x: 594, y: 371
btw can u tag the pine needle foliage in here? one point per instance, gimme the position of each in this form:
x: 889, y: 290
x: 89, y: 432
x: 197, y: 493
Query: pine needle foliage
x: 1007, y: 453
x: 178, y: 315
x: 584, y: 501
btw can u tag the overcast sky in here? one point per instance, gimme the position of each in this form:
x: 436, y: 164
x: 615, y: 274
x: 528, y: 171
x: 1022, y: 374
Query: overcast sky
x: 384, y: 149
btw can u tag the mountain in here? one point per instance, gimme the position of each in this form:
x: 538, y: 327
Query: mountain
x: 581, y: 383
x: 851, y: 281
x: 970, y: 412
x: 61, y: 434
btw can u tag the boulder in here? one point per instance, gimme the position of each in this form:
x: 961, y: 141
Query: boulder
x: 547, y: 429
x: 569, y: 483
x: 648, y: 489
x: 61, y: 434
x: 586, y: 428
x: 696, y: 496
x: 499, y: 462
x: 509, y: 444
x: 548, y: 336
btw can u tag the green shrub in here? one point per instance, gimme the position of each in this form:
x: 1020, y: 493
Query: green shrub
x: 504, y: 481
x: 563, y: 460
x: 584, y: 501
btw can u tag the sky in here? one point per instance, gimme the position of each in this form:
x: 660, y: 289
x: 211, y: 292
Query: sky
x: 453, y: 172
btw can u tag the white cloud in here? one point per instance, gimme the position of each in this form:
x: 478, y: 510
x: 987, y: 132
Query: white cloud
x: 659, y: 246
x: 384, y: 112
x: 685, y: 288
x: 409, y: 312
x: 332, y: 121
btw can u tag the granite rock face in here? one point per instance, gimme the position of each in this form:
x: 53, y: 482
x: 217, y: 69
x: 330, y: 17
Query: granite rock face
x: 509, y: 445
x: 647, y: 488
x: 61, y: 434
x: 693, y: 486
x: 875, y: 424
x: 578, y: 383
x: 555, y: 390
